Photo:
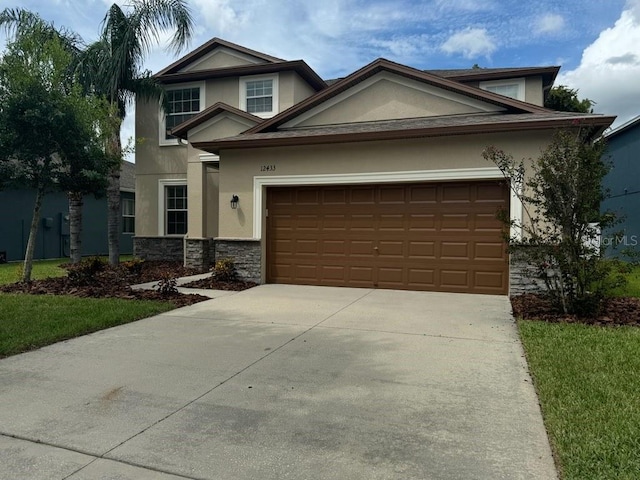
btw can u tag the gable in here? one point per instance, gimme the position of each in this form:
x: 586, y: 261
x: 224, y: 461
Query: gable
x: 221, y: 57
x: 388, y: 96
x: 221, y: 126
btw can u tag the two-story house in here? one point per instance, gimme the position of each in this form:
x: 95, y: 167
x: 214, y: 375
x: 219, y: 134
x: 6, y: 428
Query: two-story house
x: 372, y: 180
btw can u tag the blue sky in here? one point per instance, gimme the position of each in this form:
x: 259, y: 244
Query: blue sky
x: 596, y: 42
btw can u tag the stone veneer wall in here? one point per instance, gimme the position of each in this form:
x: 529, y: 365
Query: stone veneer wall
x: 199, y: 253
x: 159, y: 248
x: 246, y: 254
x: 522, y: 277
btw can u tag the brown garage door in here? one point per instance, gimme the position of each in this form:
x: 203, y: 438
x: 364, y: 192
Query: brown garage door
x: 428, y: 236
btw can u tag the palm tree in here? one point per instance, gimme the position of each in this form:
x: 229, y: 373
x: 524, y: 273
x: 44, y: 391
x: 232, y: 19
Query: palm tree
x: 113, y: 66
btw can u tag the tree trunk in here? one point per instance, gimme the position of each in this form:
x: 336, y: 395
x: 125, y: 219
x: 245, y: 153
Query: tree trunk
x: 33, y: 233
x: 75, y: 226
x: 113, y: 199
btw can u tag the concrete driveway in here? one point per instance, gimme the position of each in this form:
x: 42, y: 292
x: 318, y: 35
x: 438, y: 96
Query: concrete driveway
x: 282, y: 382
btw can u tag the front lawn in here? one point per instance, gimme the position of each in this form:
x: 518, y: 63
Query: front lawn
x: 588, y: 382
x: 32, y: 321
x: 12, y: 272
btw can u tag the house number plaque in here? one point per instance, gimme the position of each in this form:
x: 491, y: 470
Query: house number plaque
x: 267, y: 168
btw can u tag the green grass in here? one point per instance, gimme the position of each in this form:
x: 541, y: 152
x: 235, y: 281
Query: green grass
x: 632, y: 288
x: 588, y: 382
x: 12, y: 272
x: 32, y: 321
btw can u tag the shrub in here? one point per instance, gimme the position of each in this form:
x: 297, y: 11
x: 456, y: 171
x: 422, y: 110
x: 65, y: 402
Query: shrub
x: 83, y: 272
x: 559, y: 239
x: 167, y: 285
x: 225, y: 270
x: 134, y: 266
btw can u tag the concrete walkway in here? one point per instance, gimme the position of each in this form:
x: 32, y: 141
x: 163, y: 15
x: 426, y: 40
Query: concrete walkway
x: 282, y: 382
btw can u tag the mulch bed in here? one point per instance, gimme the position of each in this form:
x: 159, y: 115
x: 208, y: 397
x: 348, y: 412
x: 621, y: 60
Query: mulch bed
x: 212, y: 283
x: 115, y: 283
x: 615, y: 311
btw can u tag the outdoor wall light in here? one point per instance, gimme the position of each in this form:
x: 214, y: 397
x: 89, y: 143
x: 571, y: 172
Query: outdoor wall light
x: 234, y: 201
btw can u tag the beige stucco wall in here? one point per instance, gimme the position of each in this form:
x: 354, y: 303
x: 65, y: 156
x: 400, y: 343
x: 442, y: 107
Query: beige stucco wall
x: 221, y: 58
x: 533, y: 91
x: 239, y: 167
x: 224, y: 125
x: 386, y: 99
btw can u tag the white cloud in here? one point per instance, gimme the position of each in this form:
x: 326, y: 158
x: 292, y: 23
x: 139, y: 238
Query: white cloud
x: 610, y: 67
x: 550, y: 23
x: 471, y: 43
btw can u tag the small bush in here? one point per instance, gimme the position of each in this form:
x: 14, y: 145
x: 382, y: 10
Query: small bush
x: 133, y: 266
x: 225, y: 270
x: 83, y: 272
x: 167, y: 285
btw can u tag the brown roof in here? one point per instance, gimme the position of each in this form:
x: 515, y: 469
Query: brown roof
x: 208, y: 113
x: 409, y: 128
x: 477, y: 74
x: 128, y: 176
x: 380, y: 65
x: 209, y: 46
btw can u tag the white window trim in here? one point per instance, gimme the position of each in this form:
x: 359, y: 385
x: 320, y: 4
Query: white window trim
x: 170, y: 182
x: 484, y: 173
x: 275, y: 99
x: 129, y: 216
x: 162, y: 125
x: 520, y: 82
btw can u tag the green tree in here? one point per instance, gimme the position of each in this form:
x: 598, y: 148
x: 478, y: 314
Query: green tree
x: 113, y: 66
x: 565, y: 99
x: 38, y: 110
x: 558, y: 238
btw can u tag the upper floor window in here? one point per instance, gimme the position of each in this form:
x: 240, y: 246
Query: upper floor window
x: 513, y: 88
x: 183, y: 103
x: 259, y: 95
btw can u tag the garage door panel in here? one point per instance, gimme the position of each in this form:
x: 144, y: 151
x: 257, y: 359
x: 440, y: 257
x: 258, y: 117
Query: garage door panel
x: 489, y: 251
x: 422, y: 250
x: 489, y: 280
x: 422, y: 222
x: 393, y: 195
x: 306, y: 247
x: 391, y: 249
x: 454, y: 250
x: 334, y: 222
x: 361, y: 274
x: 361, y: 248
x: 456, y: 193
x: 423, y: 194
x: 305, y: 196
x: 450, y: 278
x: 490, y: 193
x: 455, y: 222
x: 430, y: 236
x: 421, y: 278
x: 362, y: 196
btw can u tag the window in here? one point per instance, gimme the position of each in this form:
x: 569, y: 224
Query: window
x: 182, y: 104
x: 128, y: 215
x: 175, y: 209
x: 259, y: 95
x: 513, y: 88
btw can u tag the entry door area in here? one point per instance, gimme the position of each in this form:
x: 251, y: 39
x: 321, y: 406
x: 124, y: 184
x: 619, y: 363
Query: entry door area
x: 427, y: 236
